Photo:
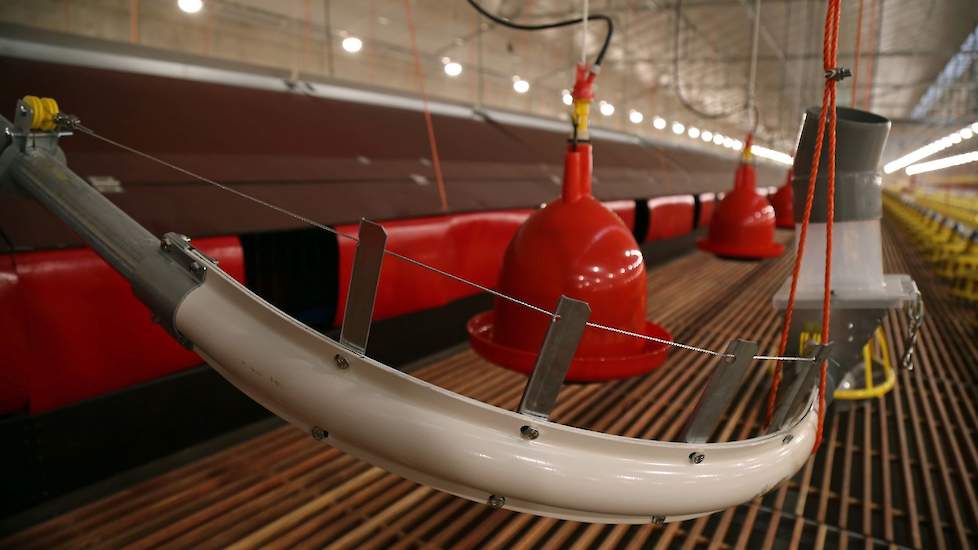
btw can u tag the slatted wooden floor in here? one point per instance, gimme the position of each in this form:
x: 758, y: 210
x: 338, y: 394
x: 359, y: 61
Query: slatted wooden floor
x: 895, y: 472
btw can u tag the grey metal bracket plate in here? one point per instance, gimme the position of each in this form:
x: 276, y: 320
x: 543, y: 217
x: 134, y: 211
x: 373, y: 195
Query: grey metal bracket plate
x: 554, y: 359
x: 364, y: 281
x: 799, y: 378
x: 720, y: 390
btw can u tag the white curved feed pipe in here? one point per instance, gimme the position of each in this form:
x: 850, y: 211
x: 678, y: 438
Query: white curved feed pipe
x: 466, y: 447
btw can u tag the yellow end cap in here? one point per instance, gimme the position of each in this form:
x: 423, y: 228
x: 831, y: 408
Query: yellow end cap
x: 44, y: 110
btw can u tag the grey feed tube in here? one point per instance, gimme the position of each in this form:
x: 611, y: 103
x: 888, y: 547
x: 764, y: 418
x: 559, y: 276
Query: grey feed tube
x: 860, y: 138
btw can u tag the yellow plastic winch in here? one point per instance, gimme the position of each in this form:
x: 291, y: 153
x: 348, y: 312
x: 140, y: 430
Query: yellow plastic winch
x: 44, y: 109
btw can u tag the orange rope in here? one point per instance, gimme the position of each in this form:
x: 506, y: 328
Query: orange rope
x: 432, y: 142
x: 830, y: 59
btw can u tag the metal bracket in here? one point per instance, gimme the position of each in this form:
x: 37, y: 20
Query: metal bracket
x: 915, y: 317
x: 802, y: 376
x: 23, y: 138
x: 363, y: 287
x: 554, y: 360
x: 720, y: 390
x: 178, y: 248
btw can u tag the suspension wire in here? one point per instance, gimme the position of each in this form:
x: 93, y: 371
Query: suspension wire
x: 413, y: 261
x: 584, y: 35
x: 752, y: 80
x: 676, y: 82
x: 432, y: 141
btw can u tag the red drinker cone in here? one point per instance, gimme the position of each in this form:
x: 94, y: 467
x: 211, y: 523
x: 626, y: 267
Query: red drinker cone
x: 577, y: 247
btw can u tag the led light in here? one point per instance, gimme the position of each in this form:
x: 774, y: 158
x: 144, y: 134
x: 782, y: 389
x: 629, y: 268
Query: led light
x: 635, y: 117
x: 352, y: 44
x: 567, y: 98
x: 659, y: 123
x: 694, y: 132
x: 728, y: 142
x: 678, y: 128
x: 607, y: 109
x: 771, y: 154
x: 940, y: 164
x: 190, y: 6
x: 521, y: 86
x: 931, y: 148
x: 453, y: 68
x: 737, y: 144
x: 717, y: 139
x: 706, y: 136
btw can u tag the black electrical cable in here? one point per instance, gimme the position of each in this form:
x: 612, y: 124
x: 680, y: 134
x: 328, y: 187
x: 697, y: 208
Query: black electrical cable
x: 544, y: 26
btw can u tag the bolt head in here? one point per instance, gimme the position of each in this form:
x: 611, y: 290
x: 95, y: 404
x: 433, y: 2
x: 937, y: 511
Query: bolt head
x: 319, y: 434
x: 496, y: 502
x: 697, y: 458
x: 341, y: 361
x: 529, y: 432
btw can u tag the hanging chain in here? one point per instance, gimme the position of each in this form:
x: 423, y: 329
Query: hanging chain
x: 915, y: 319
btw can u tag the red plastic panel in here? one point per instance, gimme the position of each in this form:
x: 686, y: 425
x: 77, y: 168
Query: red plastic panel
x: 670, y: 217
x: 86, y: 331
x: 625, y: 211
x: 468, y: 245
x: 14, y: 365
x: 707, y: 205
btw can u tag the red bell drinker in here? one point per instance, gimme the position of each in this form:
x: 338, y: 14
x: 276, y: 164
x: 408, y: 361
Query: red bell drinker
x: 782, y: 201
x: 575, y: 247
x: 742, y: 226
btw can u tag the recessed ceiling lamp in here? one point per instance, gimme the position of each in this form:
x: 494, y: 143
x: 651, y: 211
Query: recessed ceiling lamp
x: 352, y: 44
x: 190, y: 6
x: 717, y: 139
x: 567, y: 98
x: 693, y: 132
x: 453, y: 68
x: 636, y: 117
x: 678, y: 128
x: 706, y: 135
x: 607, y: 109
x: 659, y: 123
x: 520, y: 86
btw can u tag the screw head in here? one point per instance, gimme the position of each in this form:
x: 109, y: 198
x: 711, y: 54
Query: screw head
x: 197, y: 268
x: 697, y: 458
x: 529, y: 433
x: 341, y: 361
x: 165, y: 245
x: 787, y: 439
x: 318, y: 433
x: 496, y: 502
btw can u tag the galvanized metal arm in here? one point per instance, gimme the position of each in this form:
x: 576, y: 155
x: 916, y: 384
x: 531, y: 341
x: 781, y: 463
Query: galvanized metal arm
x: 161, y: 273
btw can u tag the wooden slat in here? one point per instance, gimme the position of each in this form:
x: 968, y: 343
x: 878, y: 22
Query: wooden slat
x: 895, y: 472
